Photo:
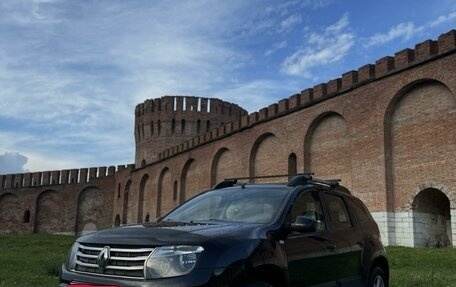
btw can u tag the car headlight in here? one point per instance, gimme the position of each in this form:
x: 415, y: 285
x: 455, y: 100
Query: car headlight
x: 71, y: 258
x: 171, y: 261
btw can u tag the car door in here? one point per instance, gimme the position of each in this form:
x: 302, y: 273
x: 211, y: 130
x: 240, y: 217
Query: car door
x: 341, y: 231
x: 310, y: 255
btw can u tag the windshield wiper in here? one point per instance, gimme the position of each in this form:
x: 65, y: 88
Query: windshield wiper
x: 209, y: 219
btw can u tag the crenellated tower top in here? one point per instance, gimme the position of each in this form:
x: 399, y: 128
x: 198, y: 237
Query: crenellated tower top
x: 169, y: 121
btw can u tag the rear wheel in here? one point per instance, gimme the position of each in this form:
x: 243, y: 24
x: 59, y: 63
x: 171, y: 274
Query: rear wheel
x: 378, y: 278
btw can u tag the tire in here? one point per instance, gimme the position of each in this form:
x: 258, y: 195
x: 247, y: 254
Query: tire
x: 378, y: 278
x: 257, y: 284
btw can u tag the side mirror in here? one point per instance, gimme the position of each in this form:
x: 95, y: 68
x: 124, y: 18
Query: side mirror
x: 304, y: 224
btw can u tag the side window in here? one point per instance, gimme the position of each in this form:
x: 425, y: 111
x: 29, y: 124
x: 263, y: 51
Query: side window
x: 308, y: 204
x: 362, y: 214
x: 338, y: 211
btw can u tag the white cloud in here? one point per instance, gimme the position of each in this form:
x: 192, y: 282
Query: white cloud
x: 276, y: 47
x: 74, y: 78
x: 442, y: 19
x: 404, y: 31
x: 24, y: 13
x: 84, y: 148
x: 289, y: 22
x: 39, y: 162
x: 12, y: 162
x: 256, y: 94
x: 277, y: 17
x: 331, y: 45
x: 407, y: 31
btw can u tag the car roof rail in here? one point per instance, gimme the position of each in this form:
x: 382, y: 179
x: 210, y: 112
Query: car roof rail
x: 300, y: 179
x: 306, y: 178
x: 225, y: 183
x: 296, y: 180
x: 229, y: 182
x: 258, y: 177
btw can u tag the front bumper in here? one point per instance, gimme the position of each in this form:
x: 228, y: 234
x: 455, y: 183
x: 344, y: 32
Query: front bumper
x: 198, y: 277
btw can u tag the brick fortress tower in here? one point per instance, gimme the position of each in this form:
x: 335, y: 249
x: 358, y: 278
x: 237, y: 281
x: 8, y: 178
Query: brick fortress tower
x: 168, y: 121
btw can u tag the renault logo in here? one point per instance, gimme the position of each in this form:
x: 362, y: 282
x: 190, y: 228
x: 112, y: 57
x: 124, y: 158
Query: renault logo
x: 103, y: 257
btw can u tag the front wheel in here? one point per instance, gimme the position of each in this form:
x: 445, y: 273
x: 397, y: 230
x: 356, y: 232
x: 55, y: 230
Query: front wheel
x: 378, y: 278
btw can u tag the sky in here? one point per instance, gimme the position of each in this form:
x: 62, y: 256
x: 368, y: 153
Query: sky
x: 72, y: 72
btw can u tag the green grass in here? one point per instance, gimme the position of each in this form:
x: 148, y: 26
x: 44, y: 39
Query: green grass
x: 422, y: 267
x: 34, y: 260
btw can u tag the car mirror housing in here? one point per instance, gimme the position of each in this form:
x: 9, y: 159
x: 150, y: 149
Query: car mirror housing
x: 304, y: 224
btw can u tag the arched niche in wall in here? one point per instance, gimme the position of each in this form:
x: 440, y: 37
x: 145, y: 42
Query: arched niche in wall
x: 49, y: 213
x: 88, y: 228
x: 173, y: 126
x: 292, y: 165
x: 175, y: 191
x: 117, y: 221
x: 327, y: 149
x: 183, y: 186
x: 27, y: 216
x: 198, y: 126
x: 142, y: 187
x: 183, y: 127
x: 420, y: 133
x: 165, y: 192
x: 431, y: 219
x: 223, y: 166
x: 126, y: 195
x: 10, y: 213
x: 90, y: 210
x: 191, y: 181
x: 267, y: 158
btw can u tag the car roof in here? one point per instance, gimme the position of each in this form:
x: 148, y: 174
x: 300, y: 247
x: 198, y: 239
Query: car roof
x: 297, y: 181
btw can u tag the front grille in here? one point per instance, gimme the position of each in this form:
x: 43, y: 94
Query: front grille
x: 123, y: 262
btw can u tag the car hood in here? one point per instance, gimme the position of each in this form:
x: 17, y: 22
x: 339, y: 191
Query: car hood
x: 169, y: 233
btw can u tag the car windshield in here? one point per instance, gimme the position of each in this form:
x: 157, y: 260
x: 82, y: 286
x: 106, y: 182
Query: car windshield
x: 250, y: 205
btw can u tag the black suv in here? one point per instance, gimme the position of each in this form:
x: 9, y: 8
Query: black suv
x: 308, y: 232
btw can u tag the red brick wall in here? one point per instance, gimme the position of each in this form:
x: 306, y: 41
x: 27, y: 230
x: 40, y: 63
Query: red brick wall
x: 344, y: 131
x: 422, y: 128
x: 56, y: 206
